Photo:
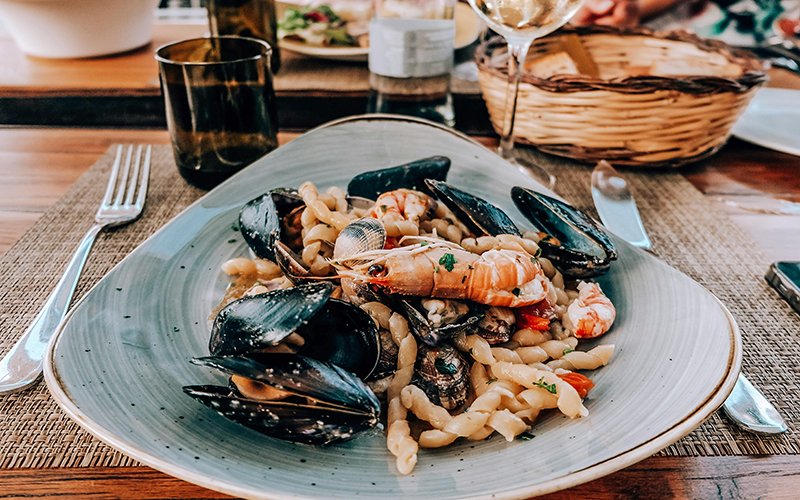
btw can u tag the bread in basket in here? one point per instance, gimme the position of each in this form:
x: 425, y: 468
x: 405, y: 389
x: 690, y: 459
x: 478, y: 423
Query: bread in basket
x: 631, y: 96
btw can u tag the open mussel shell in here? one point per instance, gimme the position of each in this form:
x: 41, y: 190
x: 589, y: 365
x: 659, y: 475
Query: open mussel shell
x: 432, y: 333
x: 480, y: 216
x: 576, y: 244
x: 443, y: 374
x: 345, y: 335
x: 323, y: 403
x: 409, y: 176
x: 332, y: 330
x: 260, y: 220
x: 264, y: 320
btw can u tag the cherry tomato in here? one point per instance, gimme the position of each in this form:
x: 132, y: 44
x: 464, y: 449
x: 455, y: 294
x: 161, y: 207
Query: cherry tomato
x: 535, y: 317
x: 391, y: 242
x: 579, y: 382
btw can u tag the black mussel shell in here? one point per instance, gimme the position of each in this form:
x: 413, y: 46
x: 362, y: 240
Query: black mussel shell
x: 443, y: 374
x: 340, y: 404
x: 576, y: 244
x: 409, y: 176
x: 345, y: 335
x: 260, y: 220
x: 480, y: 216
x: 431, y: 334
x: 264, y: 320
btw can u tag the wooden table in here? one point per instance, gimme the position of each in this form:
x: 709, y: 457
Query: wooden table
x: 37, y: 165
x: 124, y: 90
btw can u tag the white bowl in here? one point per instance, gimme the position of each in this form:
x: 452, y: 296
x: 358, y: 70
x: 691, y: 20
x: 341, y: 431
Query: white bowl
x: 78, y: 28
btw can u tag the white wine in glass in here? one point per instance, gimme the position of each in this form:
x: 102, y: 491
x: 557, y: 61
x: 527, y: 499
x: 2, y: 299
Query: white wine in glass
x: 521, y: 22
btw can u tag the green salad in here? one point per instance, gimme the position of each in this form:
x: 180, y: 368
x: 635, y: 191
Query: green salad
x: 318, y: 25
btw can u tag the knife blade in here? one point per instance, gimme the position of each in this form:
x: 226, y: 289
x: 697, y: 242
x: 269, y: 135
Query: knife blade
x: 616, y: 207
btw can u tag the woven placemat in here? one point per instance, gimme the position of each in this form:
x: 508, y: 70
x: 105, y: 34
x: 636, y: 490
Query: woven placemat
x: 688, y: 231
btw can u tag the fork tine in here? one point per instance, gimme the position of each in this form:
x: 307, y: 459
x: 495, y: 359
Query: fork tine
x: 124, y: 180
x: 145, y: 178
x: 132, y: 181
x: 112, y: 180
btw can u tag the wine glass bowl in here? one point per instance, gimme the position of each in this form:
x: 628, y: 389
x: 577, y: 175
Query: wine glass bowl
x: 521, y: 22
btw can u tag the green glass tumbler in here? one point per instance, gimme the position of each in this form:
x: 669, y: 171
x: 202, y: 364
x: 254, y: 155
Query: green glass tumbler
x: 247, y: 18
x: 220, y: 105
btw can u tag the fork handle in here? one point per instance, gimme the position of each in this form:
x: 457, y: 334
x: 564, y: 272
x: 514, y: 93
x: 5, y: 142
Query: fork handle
x: 22, y: 366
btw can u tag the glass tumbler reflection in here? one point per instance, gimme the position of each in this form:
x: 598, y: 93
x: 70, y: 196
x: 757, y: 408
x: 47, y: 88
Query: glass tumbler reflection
x: 220, y: 105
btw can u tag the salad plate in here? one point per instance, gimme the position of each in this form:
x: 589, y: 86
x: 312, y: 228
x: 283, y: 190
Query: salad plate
x: 118, y: 365
x: 468, y: 29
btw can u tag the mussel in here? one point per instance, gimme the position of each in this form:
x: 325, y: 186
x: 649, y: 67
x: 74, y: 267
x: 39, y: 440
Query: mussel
x: 261, y: 220
x: 576, y: 244
x: 290, y: 397
x: 480, y: 216
x: 443, y: 374
x: 411, y: 175
x: 435, y: 320
x: 331, y: 330
x: 270, y: 224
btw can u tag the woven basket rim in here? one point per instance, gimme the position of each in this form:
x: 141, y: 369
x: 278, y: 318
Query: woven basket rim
x: 754, y: 71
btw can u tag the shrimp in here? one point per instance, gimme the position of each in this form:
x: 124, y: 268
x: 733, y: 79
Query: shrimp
x: 401, y: 210
x: 442, y: 270
x: 591, y: 313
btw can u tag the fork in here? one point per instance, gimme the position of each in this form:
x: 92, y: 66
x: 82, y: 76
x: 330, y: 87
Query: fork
x: 122, y: 203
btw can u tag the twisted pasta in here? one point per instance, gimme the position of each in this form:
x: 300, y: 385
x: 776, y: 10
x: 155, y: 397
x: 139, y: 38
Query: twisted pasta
x: 398, y: 433
x: 589, y: 360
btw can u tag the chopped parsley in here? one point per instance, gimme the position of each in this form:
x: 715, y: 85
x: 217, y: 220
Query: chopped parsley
x: 436, y: 269
x: 383, y: 208
x: 538, y: 252
x: 469, y: 266
x: 444, y: 367
x: 526, y: 436
x: 551, y: 388
x: 568, y: 350
x: 463, y: 278
x: 491, y: 381
x: 515, y: 292
x: 533, y: 260
x: 448, y: 260
x: 423, y: 243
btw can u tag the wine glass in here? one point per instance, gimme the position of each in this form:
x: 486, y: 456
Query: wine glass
x: 521, y: 22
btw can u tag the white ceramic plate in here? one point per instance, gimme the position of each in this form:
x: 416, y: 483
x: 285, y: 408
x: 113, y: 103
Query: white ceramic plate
x: 771, y: 120
x: 118, y: 365
x: 468, y: 28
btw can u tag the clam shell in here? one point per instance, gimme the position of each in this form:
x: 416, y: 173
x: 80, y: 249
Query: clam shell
x: 359, y: 236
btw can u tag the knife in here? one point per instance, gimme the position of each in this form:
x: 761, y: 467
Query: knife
x: 616, y: 206
x: 745, y: 406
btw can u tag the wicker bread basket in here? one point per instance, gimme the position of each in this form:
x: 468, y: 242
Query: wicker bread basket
x: 658, y: 99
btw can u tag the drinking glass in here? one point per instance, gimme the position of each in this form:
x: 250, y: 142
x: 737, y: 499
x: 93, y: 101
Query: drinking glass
x: 521, y: 22
x: 220, y: 105
x: 246, y: 18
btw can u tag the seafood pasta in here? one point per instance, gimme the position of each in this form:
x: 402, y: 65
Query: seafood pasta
x: 416, y: 301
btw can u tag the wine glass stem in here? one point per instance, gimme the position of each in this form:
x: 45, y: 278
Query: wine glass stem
x: 518, y: 52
